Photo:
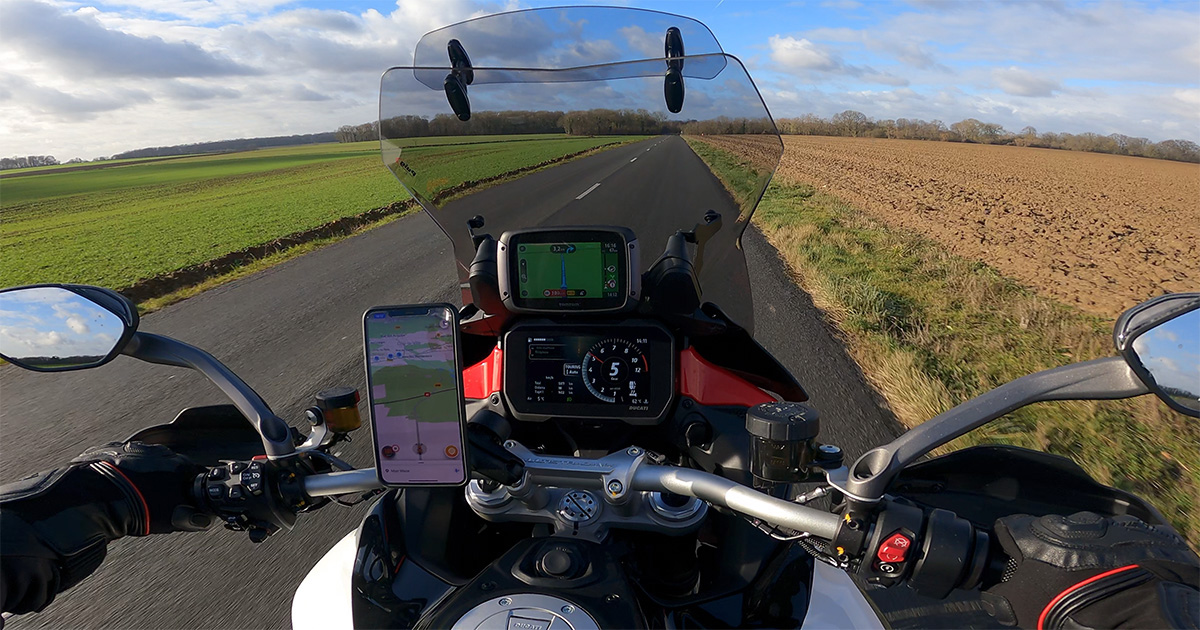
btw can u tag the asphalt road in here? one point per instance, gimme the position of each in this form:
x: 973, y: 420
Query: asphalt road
x: 653, y: 187
x: 294, y: 329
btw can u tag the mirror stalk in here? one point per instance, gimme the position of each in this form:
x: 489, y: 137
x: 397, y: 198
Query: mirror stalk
x: 277, y: 438
x: 1109, y: 378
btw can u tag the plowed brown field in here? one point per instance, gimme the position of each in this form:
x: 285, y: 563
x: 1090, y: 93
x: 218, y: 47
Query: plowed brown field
x: 1102, y: 232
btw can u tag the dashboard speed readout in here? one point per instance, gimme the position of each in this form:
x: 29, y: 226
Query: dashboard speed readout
x: 616, y: 371
x: 605, y: 371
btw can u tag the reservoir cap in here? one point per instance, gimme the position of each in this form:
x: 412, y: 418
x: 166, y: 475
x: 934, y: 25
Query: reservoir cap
x: 337, y: 398
x: 783, y: 422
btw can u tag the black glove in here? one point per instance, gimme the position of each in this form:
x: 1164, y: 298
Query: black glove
x: 160, y: 480
x: 54, y: 526
x: 1089, y: 571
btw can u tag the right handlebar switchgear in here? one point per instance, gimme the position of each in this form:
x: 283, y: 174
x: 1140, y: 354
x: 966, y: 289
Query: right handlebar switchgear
x: 934, y: 551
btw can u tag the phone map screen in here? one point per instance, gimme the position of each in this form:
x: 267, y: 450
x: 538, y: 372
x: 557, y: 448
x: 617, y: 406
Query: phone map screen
x: 568, y: 270
x: 414, y: 396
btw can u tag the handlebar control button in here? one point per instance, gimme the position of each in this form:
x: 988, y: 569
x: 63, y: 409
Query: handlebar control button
x: 894, y: 549
x: 237, y: 467
x: 217, y: 474
x: 235, y: 493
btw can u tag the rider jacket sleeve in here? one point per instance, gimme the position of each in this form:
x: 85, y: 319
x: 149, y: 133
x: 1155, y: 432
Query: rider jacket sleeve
x: 54, y: 529
x: 1089, y: 571
x: 55, y: 526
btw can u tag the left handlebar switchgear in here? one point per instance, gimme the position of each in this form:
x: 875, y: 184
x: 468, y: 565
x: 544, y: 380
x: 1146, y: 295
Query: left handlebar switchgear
x: 259, y: 496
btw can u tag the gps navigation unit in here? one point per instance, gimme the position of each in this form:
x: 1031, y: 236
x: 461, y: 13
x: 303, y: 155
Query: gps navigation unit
x: 548, y: 270
x: 415, y: 389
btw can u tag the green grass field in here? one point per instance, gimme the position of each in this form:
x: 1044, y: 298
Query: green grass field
x: 121, y: 224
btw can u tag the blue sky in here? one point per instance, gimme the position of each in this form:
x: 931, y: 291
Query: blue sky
x: 49, y: 321
x: 1171, y: 353
x: 83, y: 79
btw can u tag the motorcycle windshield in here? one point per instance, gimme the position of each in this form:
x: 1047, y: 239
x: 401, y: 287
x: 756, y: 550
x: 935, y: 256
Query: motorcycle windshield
x: 588, y: 145
x: 565, y: 37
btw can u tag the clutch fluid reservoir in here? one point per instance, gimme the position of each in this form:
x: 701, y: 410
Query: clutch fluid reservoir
x: 339, y: 406
x: 782, y: 441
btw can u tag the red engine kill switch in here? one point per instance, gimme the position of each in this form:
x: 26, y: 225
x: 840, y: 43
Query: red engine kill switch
x: 894, y: 549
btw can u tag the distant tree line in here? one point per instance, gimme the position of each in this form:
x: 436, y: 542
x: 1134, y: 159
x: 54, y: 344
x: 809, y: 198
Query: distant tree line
x: 221, y: 146
x: 603, y: 122
x: 592, y: 122
x: 726, y: 125
x: 858, y: 125
x: 357, y: 133
x: 25, y: 161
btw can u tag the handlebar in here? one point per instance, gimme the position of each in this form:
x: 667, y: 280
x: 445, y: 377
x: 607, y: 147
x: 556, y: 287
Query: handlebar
x: 616, y: 475
x: 729, y: 494
x: 934, y: 551
x: 344, y: 482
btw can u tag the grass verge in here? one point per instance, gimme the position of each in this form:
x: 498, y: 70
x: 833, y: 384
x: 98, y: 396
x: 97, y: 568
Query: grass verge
x: 253, y: 266
x: 931, y: 330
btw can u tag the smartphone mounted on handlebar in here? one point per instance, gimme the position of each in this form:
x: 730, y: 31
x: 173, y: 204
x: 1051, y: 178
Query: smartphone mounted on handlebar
x: 414, y: 384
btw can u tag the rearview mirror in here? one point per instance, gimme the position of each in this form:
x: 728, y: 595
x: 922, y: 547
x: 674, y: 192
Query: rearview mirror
x: 1160, y: 339
x: 61, y: 327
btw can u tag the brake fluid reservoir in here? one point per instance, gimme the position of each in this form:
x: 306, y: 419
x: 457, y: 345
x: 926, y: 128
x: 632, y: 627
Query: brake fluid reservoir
x: 782, y: 441
x: 339, y: 405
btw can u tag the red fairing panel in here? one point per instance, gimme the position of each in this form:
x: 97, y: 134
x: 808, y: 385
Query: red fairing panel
x: 484, y: 378
x: 714, y: 386
x: 699, y: 380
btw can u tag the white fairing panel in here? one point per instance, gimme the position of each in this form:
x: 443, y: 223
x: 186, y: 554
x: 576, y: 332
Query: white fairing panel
x: 323, y: 600
x: 837, y: 602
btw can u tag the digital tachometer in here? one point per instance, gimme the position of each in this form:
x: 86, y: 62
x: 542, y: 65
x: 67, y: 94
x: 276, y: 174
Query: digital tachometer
x: 602, y: 370
x: 615, y: 371
x: 550, y: 270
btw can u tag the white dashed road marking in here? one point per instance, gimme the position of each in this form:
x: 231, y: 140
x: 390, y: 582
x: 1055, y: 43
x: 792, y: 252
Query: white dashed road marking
x: 585, y: 193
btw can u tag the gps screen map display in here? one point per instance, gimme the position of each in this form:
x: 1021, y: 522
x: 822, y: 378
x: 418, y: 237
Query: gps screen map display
x: 583, y: 270
x: 415, y: 393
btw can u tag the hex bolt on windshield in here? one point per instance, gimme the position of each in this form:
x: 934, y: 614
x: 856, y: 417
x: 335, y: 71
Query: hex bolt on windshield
x: 634, y: 451
x: 568, y: 609
x: 504, y: 601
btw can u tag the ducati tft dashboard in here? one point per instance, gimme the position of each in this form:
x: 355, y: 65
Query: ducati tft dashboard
x: 577, y: 270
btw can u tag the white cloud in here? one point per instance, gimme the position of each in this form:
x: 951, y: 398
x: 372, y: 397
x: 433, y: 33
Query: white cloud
x: 79, y: 45
x: 189, y: 91
x: 164, y: 72
x: 1111, y: 67
x: 841, y: 4
x: 1021, y: 82
x: 77, y: 324
x: 648, y: 45
x: 91, y: 81
x: 802, y: 57
x: 202, y: 11
x: 801, y: 54
x: 55, y: 104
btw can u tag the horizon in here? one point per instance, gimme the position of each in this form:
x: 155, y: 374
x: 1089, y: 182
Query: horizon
x: 86, y: 80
